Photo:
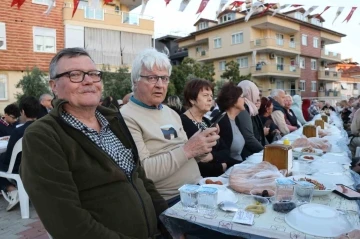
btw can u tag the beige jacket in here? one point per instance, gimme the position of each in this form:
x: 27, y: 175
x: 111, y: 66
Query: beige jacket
x: 160, y: 137
x: 279, y: 119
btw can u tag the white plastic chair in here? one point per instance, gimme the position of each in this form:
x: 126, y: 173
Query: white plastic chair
x: 357, y: 153
x: 23, y: 197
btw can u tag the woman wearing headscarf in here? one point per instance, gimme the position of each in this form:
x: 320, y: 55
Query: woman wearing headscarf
x: 296, y: 108
x: 251, y: 126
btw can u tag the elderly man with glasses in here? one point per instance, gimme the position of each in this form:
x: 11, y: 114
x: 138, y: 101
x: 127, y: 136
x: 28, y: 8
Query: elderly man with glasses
x: 166, y: 154
x: 80, y: 165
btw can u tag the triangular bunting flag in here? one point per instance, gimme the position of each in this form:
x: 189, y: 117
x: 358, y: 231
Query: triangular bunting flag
x: 202, y: 6
x: 50, y: 7
x: 338, y: 13
x: 20, y: 3
x: 296, y: 5
x: 14, y: 2
x: 347, y: 19
x: 143, y: 6
x: 107, y: 1
x: 236, y: 4
x: 310, y: 10
x: 76, y: 4
x: 183, y: 5
x: 167, y: 2
x: 221, y: 5
x: 268, y: 6
x: 318, y: 15
x: 254, y: 7
x: 280, y: 8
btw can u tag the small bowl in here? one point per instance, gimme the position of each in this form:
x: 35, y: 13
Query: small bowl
x: 257, y: 192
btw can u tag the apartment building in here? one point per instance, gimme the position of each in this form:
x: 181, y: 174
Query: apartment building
x: 285, y: 51
x: 28, y: 38
x: 110, y: 33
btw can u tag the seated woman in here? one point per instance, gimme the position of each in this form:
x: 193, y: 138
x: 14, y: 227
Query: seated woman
x: 251, y: 126
x: 230, y: 99
x: 297, y: 109
x: 265, y: 111
x: 305, y: 106
x: 198, y: 95
x: 291, y: 119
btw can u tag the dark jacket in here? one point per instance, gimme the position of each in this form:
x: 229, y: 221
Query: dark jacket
x: 16, y: 134
x: 292, y: 118
x: 220, y: 152
x: 78, y: 191
x: 42, y: 112
x: 6, y: 130
x: 277, y: 106
x: 269, y: 123
x: 252, y: 129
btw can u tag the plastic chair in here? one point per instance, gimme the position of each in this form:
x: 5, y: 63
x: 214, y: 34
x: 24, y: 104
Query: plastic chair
x: 23, y: 196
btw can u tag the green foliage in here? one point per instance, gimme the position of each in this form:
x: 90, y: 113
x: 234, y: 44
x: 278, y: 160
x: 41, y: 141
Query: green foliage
x: 33, y: 83
x: 187, y: 69
x: 232, y: 73
x: 116, y: 84
x: 218, y: 85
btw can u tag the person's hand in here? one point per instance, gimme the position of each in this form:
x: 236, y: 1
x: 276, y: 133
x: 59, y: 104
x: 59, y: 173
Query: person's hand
x: 266, y: 131
x: 218, y: 129
x: 351, y: 235
x: 201, y: 143
x: 204, y: 158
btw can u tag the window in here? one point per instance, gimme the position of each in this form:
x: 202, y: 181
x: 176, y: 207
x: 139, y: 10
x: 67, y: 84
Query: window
x: 2, y: 36
x: 237, y: 38
x: 3, y: 87
x: 313, y: 86
x: 300, y: 16
x: 304, y: 40
x: 98, y: 14
x: 44, y: 39
x: 227, y: 17
x: 42, y: 2
x: 316, y: 21
x: 203, y: 25
x: 302, y: 85
x: 217, y: 42
x: 316, y: 42
x: 280, y: 63
x: 222, y: 65
x: 279, y: 39
x: 243, y: 62
x: 302, y: 62
x: 292, y: 43
x: 280, y: 84
x: 313, y: 64
x: 129, y: 18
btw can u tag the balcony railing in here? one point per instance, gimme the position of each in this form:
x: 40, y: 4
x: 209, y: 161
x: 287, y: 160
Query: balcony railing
x: 274, y: 69
x: 329, y: 75
x: 275, y: 43
x: 330, y: 55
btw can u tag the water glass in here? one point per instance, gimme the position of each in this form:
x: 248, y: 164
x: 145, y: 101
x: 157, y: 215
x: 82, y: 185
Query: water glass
x: 188, y: 197
x: 304, y: 192
x: 207, y: 201
x: 304, y: 167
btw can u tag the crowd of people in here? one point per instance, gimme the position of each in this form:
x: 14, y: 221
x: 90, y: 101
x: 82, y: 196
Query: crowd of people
x: 107, y: 168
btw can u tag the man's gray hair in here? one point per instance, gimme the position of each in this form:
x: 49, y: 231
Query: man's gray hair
x: 66, y: 52
x: 148, y: 59
x: 275, y: 92
x: 43, y: 96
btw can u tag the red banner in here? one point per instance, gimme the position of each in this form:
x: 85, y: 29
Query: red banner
x: 318, y: 15
x: 202, y: 6
x: 167, y: 2
x: 76, y: 4
x: 236, y: 4
x: 347, y: 19
x: 297, y: 5
x: 269, y: 5
x: 107, y: 1
x: 14, y: 2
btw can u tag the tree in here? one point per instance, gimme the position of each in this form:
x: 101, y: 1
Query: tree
x: 232, y: 73
x: 116, y: 84
x: 33, y: 83
x: 187, y: 69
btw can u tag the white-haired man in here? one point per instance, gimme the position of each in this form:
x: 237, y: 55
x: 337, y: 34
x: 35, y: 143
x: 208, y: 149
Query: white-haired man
x: 165, y: 152
x: 279, y: 114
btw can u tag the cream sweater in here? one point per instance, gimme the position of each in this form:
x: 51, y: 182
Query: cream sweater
x: 160, y: 137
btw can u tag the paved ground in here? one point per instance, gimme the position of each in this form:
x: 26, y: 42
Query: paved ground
x: 13, y: 227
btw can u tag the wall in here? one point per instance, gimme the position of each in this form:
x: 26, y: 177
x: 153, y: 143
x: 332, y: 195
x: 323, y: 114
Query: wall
x: 13, y: 77
x: 309, y: 50
x: 309, y: 75
x: 19, y: 34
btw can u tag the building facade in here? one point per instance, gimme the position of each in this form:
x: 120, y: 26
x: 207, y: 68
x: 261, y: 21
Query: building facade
x: 169, y: 46
x: 285, y: 51
x: 28, y: 38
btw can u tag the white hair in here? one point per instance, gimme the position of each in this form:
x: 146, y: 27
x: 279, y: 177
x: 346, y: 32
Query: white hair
x: 148, y: 59
x: 275, y: 92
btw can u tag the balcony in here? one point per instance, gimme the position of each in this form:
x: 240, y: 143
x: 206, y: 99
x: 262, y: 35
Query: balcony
x: 108, y: 17
x: 329, y: 75
x: 330, y: 56
x: 201, y: 54
x: 276, y: 70
x: 279, y: 45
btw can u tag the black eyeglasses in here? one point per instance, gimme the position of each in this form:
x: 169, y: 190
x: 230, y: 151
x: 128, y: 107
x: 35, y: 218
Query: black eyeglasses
x: 79, y: 76
x: 154, y: 79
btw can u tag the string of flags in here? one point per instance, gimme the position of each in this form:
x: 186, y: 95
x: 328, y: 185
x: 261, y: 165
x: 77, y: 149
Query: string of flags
x: 252, y: 6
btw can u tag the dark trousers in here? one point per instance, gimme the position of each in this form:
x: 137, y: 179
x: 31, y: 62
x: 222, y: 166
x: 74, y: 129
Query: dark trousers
x: 4, y: 182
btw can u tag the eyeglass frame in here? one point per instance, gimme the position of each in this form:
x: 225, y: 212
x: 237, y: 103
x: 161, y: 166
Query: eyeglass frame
x: 157, y: 79
x: 83, y: 78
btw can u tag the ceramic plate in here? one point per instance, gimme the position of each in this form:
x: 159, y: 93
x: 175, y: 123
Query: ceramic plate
x: 224, y: 194
x: 224, y: 181
x: 309, y: 158
x: 317, y: 151
x: 329, y: 187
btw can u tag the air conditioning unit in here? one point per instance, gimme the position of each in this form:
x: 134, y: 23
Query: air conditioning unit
x: 272, y: 56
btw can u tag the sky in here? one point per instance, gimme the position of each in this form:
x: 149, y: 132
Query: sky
x: 170, y: 21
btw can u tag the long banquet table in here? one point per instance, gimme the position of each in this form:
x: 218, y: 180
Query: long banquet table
x: 333, y: 167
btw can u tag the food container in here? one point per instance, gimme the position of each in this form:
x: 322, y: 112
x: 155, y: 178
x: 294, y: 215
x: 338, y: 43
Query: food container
x: 284, y: 189
x: 207, y: 200
x: 262, y: 193
x: 304, y: 192
x: 188, y: 197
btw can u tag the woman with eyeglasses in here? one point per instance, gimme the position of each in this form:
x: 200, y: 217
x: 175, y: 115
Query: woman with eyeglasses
x: 198, y: 98
x: 266, y: 108
x: 251, y: 126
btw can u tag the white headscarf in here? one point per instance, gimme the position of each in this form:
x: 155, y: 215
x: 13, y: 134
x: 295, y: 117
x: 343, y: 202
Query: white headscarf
x: 251, y: 93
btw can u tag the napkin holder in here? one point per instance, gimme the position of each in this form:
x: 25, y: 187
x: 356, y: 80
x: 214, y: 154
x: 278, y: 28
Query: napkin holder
x: 310, y: 131
x: 279, y: 155
x: 320, y: 122
x: 325, y: 118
